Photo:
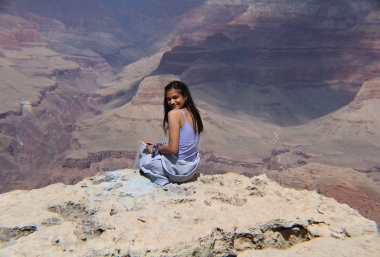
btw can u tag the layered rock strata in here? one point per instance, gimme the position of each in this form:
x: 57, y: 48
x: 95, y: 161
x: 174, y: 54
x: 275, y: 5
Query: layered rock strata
x: 78, y: 25
x: 44, y: 93
x: 122, y: 213
x: 315, y: 53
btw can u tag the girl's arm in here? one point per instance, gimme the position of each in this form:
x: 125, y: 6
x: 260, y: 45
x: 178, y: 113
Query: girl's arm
x: 174, y: 118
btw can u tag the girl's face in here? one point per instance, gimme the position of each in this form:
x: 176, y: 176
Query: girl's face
x: 175, y: 99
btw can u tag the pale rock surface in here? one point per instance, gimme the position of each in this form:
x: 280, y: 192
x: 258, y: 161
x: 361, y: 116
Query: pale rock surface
x: 360, y: 191
x: 121, y: 213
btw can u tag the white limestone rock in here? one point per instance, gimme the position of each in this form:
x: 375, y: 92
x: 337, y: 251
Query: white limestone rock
x: 121, y: 213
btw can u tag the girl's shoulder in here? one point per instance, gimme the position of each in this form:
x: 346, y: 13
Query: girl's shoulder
x: 176, y: 113
x: 180, y: 111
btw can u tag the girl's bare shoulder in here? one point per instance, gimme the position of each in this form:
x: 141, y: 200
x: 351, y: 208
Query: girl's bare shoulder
x: 176, y: 113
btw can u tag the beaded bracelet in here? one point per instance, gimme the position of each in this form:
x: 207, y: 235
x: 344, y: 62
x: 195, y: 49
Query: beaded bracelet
x: 155, y: 148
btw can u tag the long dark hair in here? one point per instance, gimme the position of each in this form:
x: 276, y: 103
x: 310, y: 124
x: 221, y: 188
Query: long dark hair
x: 189, y: 104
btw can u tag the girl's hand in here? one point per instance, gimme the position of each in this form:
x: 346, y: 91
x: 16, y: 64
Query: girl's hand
x: 149, y: 147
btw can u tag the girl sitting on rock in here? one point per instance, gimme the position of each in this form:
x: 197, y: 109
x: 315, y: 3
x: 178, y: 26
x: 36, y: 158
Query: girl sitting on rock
x: 177, y: 159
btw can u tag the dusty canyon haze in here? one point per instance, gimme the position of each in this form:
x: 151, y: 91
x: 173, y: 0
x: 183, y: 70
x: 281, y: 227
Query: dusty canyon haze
x: 289, y: 88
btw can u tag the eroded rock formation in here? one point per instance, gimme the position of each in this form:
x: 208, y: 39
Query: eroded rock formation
x: 122, y: 213
x: 360, y: 191
x: 44, y: 93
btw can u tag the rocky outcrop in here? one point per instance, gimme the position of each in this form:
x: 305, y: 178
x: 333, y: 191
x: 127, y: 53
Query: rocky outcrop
x: 122, y: 213
x: 360, y: 191
x: 151, y: 90
x: 94, y: 66
x: 369, y: 90
x: 125, y: 83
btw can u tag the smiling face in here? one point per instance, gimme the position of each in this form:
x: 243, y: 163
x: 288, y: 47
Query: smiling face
x: 175, y: 99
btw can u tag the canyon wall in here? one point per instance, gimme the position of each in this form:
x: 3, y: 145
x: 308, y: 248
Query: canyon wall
x: 305, y: 57
x: 44, y: 93
x: 84, y: 25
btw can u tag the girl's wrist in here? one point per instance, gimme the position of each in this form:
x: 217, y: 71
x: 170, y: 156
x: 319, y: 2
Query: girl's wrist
x: 155, y: 150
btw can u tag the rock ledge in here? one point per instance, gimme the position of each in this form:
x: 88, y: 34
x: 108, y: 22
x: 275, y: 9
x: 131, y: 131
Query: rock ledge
x: 121, y: 213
